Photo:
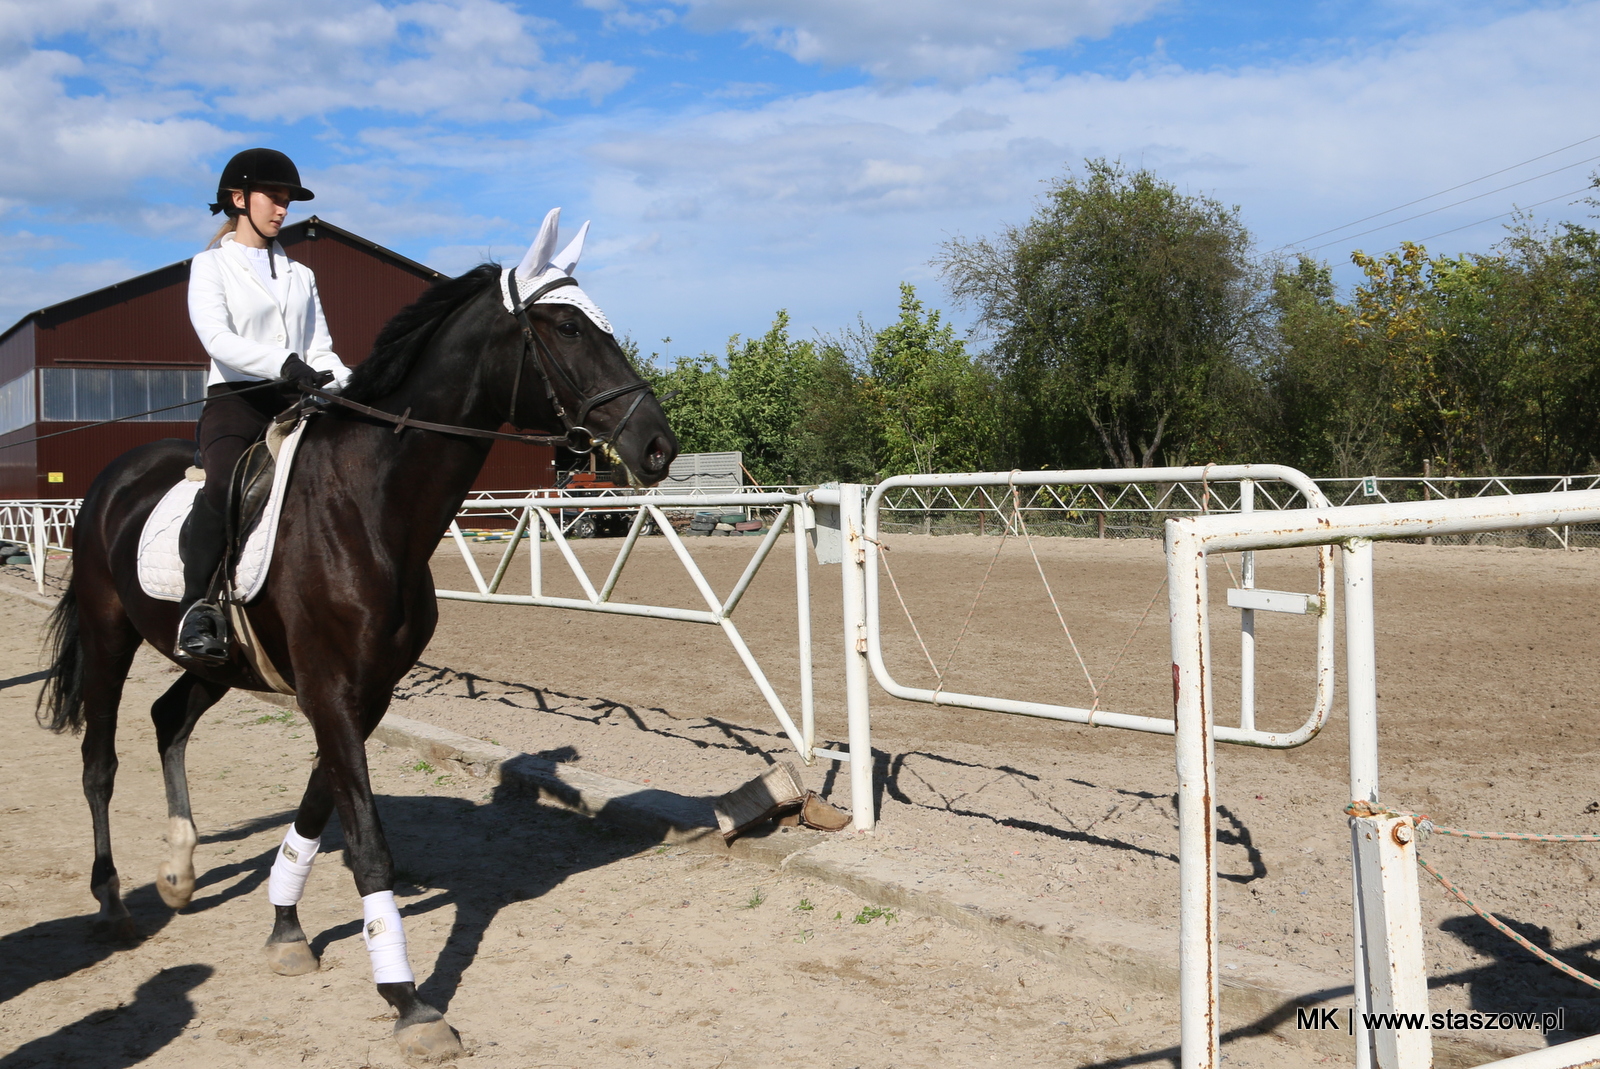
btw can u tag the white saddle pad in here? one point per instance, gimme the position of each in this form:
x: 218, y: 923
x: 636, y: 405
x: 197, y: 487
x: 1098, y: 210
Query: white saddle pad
x: 160, y: 566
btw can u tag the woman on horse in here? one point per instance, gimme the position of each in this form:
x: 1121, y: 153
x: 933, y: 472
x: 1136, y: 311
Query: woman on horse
x: 259, y: 318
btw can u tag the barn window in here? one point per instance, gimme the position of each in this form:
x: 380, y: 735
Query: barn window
x: 86, y: 394
x: 16, y: 403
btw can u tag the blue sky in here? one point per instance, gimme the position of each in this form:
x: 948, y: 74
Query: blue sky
x: 741, y: 156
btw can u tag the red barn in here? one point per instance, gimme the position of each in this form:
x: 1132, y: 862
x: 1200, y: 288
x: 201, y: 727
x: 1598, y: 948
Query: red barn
x: 129, y: 348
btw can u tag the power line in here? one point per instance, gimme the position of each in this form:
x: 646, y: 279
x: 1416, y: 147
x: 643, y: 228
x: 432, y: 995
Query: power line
x: 1454, y: 204
x: 1492, y: 218
x: 1442, y: 192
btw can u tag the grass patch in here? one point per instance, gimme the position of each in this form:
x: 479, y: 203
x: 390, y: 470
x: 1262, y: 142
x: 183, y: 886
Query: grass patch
x: 422, y: 766
x: 805, y: 906
x: 276, y: 718
x: 869, y: 914
x: 755, y: 899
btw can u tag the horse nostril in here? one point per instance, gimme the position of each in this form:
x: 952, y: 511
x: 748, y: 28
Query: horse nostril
x: 655, y: 458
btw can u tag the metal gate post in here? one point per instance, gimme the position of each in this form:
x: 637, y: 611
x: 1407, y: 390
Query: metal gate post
x: 1247, y: 620
x: 1390, y: 976
x: 1198, y: 992
x: 40, y: 548
x: 856, y: 670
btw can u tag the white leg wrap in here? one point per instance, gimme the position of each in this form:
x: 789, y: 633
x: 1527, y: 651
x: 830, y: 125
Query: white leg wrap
x: 290, y: 868
x: 386, y: 939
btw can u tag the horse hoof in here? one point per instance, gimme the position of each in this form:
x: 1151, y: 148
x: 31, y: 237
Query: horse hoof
x: 175, y: 890
x: 120, y: 930
x: 292, y: 959
x: 434, y: 1041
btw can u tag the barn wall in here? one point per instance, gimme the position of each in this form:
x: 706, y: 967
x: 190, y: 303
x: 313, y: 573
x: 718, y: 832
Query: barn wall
x: 144, y: 322
x: 17, y: 352
x: 80, y: 457
x: 360, y: 293
x: 17, y: 465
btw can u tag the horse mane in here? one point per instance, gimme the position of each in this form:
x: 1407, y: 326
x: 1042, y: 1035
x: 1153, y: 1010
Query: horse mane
x: 403, y: 338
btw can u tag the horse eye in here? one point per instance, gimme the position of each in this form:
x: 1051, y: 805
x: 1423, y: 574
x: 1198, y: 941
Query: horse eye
x: 568, y: 330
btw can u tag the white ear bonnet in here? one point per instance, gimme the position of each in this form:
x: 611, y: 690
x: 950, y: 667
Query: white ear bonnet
x: 543, y: 264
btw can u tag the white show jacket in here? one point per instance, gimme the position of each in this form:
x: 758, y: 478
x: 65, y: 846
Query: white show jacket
x: 247, y: 333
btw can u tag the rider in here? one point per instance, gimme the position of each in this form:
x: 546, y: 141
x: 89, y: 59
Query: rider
x: 258, y: 316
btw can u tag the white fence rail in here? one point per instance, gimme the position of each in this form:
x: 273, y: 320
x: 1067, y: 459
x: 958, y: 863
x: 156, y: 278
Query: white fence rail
x: 1201, y: 488
x: 1220, y: 504
x: 553, y: 516
x: 40, y: 526
x: 1387, y: 921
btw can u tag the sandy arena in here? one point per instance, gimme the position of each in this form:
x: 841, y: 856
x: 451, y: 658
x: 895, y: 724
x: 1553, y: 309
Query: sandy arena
x: 551, y: 940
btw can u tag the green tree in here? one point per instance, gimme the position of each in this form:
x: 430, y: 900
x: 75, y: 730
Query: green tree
x: 936, y: 404
x: 1330, y: 401
x: 1122, y: 304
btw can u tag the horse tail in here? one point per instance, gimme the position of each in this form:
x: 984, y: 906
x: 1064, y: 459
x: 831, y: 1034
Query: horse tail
x: 60, y: 704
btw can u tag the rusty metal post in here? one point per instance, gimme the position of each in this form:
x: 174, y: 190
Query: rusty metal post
x: 1396, y: 980
x: 1361, y: 686
x: 856, y: 670
x: 1197, y: 834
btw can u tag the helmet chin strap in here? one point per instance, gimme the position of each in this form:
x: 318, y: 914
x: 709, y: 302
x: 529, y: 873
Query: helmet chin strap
x: 251, y: 216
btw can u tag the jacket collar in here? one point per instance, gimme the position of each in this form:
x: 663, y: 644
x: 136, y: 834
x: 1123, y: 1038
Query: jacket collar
x: 241, y: 260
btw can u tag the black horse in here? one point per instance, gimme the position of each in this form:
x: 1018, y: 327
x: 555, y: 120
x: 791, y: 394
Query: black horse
x: 349, y: 604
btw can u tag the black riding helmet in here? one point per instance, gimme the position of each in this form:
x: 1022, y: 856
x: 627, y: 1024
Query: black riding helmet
x: 258, y: 167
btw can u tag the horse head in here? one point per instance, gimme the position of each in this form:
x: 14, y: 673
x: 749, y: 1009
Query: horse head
x: 573, y: 376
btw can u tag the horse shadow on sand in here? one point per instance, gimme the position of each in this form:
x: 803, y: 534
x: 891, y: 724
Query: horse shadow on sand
x: 472, y: 857
x: 902, y: 778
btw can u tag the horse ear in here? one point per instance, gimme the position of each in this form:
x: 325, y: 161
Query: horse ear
x: 566, y: 261
x: 543, y: 246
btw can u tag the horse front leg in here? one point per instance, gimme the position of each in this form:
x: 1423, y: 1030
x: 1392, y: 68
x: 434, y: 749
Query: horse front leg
x: 175, y: 714
x: 421, y: 1030
x: 288, y: 951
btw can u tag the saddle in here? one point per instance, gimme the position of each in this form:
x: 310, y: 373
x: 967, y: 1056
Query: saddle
x: 255, y: 503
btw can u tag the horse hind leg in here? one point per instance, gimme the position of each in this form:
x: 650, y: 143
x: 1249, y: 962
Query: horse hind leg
x: 107, y: 648
x: 175, y: 714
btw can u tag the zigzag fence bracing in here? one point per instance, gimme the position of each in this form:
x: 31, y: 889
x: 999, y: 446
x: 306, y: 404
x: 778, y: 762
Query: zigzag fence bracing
x: 1397, y: 490
x: 552, y: 517
x: 1134, y: 507
x: 42, y: 526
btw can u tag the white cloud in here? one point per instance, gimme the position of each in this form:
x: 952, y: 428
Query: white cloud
x: 949, y: 41
x: 822, y: 202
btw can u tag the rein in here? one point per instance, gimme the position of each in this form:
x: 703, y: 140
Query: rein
x: 578, y: 438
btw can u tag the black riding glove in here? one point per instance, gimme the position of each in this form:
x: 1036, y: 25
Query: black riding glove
x: 297, y: 370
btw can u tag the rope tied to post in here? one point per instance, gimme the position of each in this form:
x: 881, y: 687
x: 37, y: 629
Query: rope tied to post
x: 1017, y: 522
x: 1360, y: 808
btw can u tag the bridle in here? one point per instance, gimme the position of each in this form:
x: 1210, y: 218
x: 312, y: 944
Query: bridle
x: 577, y: 438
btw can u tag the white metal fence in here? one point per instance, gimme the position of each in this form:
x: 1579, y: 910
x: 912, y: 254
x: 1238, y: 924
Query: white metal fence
x: 1389, y: 969
x: 40, y: 526
x: 1215, y: 512
x: 554, y: 516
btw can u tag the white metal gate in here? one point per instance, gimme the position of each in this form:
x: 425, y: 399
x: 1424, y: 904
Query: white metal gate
x: 1387, y: 921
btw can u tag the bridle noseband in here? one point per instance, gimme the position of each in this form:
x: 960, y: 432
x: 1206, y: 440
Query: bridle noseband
x: 579, y: 438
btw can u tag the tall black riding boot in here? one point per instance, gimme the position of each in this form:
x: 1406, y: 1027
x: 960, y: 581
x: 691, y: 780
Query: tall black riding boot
x: 203, y: 632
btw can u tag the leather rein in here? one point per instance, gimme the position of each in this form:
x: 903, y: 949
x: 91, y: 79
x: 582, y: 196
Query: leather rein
x: 577, y: 438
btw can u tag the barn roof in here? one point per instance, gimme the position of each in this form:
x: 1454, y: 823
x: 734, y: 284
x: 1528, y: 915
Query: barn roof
x: 161, y: 277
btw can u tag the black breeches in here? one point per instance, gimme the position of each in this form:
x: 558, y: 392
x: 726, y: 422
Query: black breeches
x: 229, y: 423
